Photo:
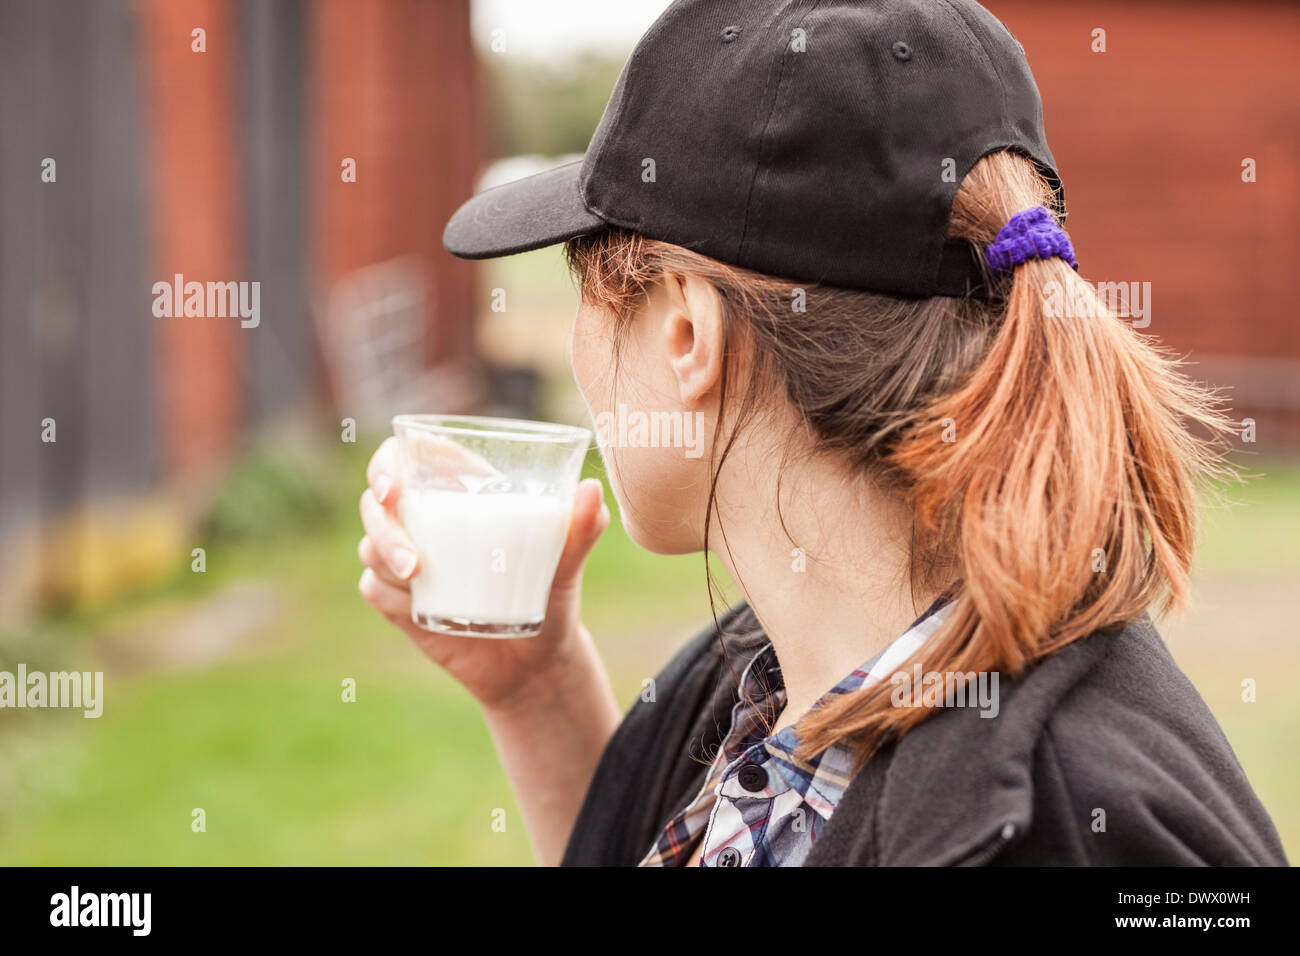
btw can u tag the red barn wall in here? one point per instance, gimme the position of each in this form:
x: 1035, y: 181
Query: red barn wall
x: 1150, y: 137
x: 395, y: 90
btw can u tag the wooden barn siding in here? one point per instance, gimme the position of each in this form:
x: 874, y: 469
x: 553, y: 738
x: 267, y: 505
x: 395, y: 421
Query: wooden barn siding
x: 396, y: 90
x: 195, y: 202
x: 280, y: 355
x: 75, y: 327
x: 1150, y: 136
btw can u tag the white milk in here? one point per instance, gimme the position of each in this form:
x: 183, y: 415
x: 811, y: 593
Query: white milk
x: 484, y: 558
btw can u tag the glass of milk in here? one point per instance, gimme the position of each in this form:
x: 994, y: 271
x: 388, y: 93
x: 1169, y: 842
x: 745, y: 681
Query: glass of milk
x: 486, y: 502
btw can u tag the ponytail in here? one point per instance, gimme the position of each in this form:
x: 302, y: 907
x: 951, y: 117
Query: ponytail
x: 1061, y: 475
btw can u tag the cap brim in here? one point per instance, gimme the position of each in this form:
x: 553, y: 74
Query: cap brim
x: 526, y: 214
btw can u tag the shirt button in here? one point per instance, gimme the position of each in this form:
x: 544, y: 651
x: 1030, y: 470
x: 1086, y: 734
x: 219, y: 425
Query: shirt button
x: 753, y: 778
x: 729, y: 856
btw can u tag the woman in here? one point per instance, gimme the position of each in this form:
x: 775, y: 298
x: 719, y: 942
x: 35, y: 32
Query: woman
x: 948, y: 481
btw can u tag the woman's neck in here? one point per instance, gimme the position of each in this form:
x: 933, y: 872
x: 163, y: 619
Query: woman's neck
x: 832, y: 592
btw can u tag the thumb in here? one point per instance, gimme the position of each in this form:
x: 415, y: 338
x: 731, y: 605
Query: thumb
x: 590, y: 518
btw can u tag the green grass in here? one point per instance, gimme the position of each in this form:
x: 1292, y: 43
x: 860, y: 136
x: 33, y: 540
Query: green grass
x: 1256, y: 527
x: 284, y: 771
x: 288, y: 773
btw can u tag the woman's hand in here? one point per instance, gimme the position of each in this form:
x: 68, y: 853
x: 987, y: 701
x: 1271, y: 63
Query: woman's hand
x: 547, y: 700
x: 497, y: 671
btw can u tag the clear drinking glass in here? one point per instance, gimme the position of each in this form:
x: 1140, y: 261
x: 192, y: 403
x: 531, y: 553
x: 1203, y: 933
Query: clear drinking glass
x: 487, y: 503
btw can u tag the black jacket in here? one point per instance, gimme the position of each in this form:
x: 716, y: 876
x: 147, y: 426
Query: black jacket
x: 1109, y: 724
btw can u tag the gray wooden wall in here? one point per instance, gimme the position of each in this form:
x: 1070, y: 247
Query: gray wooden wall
x: 75, y: 321
x: 76, y: 327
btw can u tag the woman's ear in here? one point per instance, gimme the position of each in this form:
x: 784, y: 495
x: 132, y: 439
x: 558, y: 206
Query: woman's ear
x: 692, y: 328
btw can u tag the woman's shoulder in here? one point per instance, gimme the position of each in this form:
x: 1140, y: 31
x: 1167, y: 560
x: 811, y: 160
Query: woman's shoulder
x: 1102, y: 753
x: 1145, y: 766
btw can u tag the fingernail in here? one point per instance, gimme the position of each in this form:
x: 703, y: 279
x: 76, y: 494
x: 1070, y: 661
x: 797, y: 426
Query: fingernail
x: 382, y: 484
x: 402, y: 562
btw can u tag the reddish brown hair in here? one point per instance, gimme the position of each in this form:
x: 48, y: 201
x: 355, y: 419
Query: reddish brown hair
x: 1024, y: 437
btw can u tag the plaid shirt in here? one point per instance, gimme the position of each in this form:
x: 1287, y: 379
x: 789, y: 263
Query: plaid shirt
x: 759, y: 805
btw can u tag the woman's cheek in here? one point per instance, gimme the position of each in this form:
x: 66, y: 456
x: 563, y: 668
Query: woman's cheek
x: 590, y: 346
x: 656, y: 495
x: 647, y: 482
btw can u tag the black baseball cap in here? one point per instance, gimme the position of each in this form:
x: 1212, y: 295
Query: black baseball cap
x: 816, y: 140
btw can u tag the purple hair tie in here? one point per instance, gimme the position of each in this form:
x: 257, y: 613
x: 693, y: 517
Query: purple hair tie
x: 1029, y: 234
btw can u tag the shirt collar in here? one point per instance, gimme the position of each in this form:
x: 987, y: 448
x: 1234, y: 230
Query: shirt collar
x: 762, y: 695
x: 823, y: 779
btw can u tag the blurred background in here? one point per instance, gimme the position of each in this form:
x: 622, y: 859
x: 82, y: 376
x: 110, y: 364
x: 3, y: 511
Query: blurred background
x: 318, y: 148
